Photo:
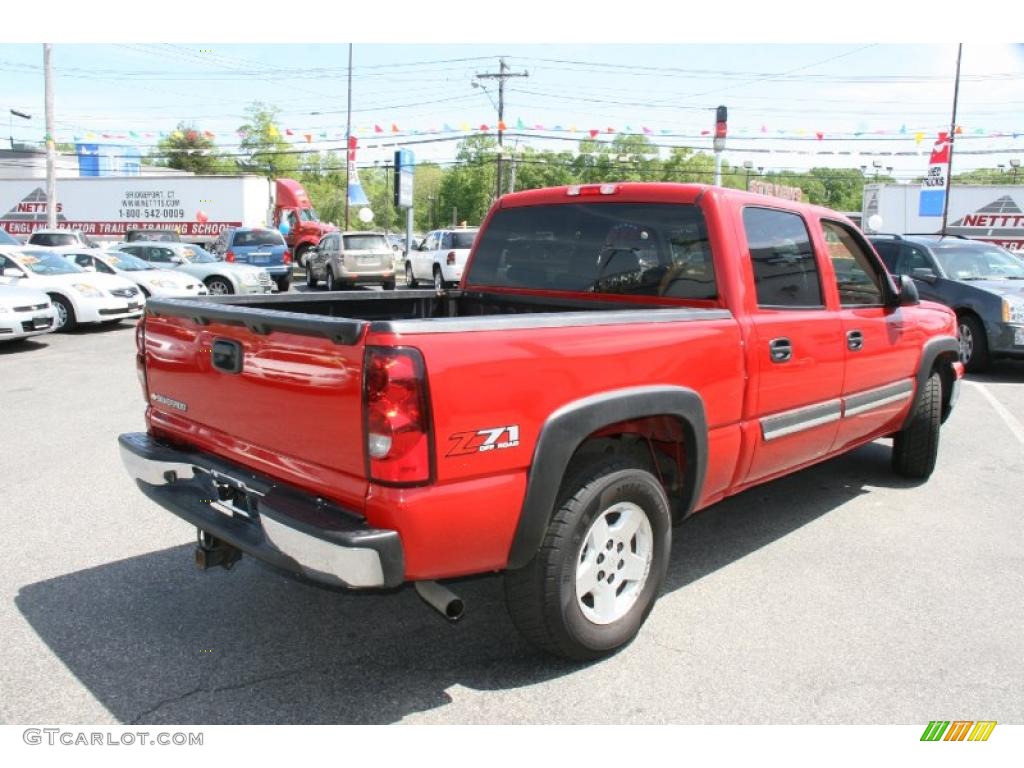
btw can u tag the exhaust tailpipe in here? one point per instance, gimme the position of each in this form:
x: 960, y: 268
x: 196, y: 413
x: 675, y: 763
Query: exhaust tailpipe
x: 441, y: 599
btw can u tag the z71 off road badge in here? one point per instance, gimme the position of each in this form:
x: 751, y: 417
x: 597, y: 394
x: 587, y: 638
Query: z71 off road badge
x: 483, y: 440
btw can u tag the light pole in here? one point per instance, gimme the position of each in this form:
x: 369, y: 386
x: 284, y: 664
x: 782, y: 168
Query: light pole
x: 24, y: 116
x: 878, y: 166
x: 1015, y: 164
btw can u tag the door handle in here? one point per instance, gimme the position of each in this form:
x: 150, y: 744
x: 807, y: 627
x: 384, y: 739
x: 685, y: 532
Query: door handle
x: 781, y: 350
x: 854, y: 340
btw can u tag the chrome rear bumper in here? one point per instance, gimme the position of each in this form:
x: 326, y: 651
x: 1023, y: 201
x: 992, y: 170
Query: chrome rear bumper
x: 280, y: 525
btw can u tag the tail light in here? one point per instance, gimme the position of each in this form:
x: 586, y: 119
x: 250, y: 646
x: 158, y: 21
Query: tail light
x: 396, y: 417
x: 451, y: 258
x: 229, y: 256
x: 140, y: 356
x: 287, y: 257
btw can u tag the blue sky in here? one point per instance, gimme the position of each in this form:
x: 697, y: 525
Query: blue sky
x: 868, y: 100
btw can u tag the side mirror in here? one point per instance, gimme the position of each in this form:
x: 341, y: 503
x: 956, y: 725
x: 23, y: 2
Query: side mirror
x: 924, y: 273
x: 908, y: 292
x: 12, y: 272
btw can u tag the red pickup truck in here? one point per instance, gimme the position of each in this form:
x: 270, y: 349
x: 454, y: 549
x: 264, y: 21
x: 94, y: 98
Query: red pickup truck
x: 617, y: 357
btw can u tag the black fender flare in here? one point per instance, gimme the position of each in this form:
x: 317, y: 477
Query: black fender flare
x: 933, y: 348
x: 567, y: 428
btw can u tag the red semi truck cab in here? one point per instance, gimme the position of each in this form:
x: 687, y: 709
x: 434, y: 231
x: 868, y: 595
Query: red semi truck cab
x: 616, y: 358
x: 304, y: 227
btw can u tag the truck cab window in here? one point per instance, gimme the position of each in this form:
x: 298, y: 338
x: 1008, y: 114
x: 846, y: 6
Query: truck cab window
x: 785, y: 270
x: 648, y: 249
x: 858, y: 282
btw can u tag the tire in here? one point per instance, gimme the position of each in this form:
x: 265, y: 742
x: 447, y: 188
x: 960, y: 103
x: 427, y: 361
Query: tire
x: 311, y: 281
x: 410, y: 281
x: 389, y: 285
x: 544, y: 598
x: 66, y: 320
x: 973, y: 344
x: 219, y: 286
x: 300, y: 256
x: 916, y: 447
x: 438, y: 279
x: 283, y: 284
x: 329, y: 280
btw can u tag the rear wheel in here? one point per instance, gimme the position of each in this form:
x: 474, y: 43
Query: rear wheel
x: 602, y: 563
x: 438, y: 279
x: 283, y: 284
x: 389, y: 285
x: 219, y: 286
x: 410, y: 280
x: 973, y: 343
x: 66, y: 320
x: 311, y: 280
x: 915, y: 448
x: 300, y: 256
x: 330, y: 282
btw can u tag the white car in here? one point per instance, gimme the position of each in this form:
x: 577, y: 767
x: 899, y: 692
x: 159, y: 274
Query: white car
x: 219, y: 277
x: 78, y: 296
x: 25, y: 312
x: 152, y: 281
x: 440, y: 258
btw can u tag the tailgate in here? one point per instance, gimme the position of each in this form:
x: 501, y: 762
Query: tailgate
x: 284, y: 402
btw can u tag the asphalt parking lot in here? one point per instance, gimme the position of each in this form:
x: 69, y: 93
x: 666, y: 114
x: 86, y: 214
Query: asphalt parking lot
x: 841, y: 594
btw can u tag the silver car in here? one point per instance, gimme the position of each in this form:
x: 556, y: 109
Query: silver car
x: 152, y: 281
x: 347, y: 259
x: 219, y: 277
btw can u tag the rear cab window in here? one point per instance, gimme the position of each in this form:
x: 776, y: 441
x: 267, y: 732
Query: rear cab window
x: 366, y: 243
x: 785, y: 270
x: 632, y: 249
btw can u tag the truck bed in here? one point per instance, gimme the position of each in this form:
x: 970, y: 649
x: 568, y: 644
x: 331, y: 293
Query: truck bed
x: 343, y: 317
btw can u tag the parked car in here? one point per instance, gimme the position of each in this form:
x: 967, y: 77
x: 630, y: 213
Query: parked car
x: 219, y: 277
x: 440, y: 258
x: 260, y: 246
x: 61, y: 238
x: 983, y: 283
x: 622, y: 356
x: 25, y: 312
x: 152, y: 236
x: 347, y: 259
x: 78, y: 296
x: 151, y: 280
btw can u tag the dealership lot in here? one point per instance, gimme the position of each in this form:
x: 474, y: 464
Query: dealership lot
x: 840, y: 594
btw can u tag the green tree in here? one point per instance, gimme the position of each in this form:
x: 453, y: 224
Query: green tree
x: 469, y: 187
x: 189, y: 149
x: 263, y: 147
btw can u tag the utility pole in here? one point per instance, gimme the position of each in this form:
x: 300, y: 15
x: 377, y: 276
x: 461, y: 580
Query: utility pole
x: 501, y: 76
x: 51, y: 146
x: 348, y: 136
x: 952, y: 140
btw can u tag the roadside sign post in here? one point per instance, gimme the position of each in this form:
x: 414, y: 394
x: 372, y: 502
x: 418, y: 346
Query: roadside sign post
x: 405, y: 166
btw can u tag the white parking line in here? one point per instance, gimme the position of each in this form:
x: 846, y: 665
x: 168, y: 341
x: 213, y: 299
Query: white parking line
x: 1008, y: 418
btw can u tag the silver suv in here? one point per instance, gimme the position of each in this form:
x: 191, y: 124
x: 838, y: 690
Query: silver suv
x: 346, y: 259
